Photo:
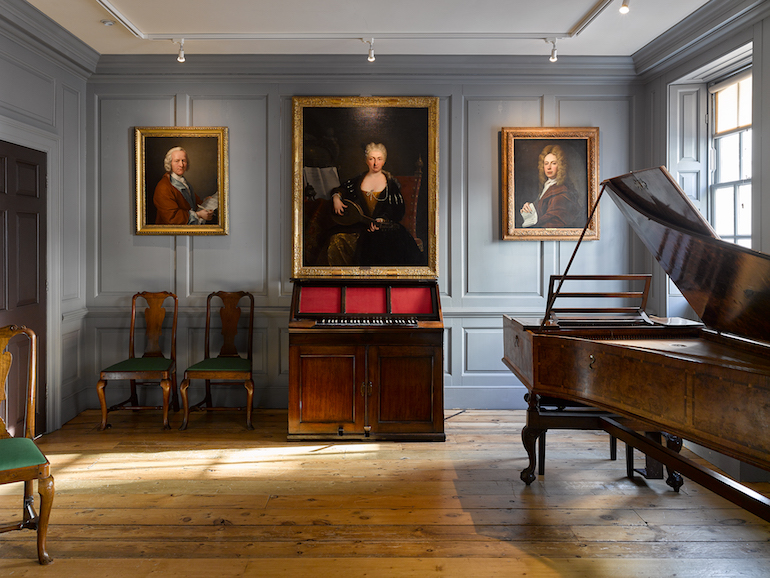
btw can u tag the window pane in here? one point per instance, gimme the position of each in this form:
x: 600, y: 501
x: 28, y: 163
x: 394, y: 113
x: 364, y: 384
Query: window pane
x: 744, y: 243
x: 744, y: 102
x: 728, y: 159
x: 744, y: 210
x: 724, y: 211
x: 746, y: 155
x: 727, y: 108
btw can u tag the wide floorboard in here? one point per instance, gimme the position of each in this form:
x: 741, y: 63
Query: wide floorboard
x: 218, y: 500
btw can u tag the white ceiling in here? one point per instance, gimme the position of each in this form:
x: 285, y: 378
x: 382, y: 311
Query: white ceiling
x: 458, y: 27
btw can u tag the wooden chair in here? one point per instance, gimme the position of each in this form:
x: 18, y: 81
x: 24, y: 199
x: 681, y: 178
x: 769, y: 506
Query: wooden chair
x: 153, y: 366
x: 228, y: 365
x: 20, y: 458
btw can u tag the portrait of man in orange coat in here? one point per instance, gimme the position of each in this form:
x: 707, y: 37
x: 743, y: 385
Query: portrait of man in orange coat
x: 174, y: 200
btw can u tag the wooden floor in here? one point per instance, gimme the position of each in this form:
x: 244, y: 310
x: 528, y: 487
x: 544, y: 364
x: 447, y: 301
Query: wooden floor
x: 218, y: 500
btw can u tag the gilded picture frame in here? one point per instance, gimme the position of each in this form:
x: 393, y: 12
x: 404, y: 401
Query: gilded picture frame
x: 330, y: 136
x: 162, y: 207
x: 571, y: 157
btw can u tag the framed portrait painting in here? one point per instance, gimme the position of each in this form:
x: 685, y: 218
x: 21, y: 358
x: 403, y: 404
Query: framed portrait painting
x: 181, y: 180
x: 365, y: 187
x: 549, y: 183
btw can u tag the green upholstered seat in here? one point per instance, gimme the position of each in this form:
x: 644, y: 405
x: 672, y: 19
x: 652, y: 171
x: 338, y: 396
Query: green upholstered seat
x: 140, y: 364
x: 19, y: 453
x: 222, y: 364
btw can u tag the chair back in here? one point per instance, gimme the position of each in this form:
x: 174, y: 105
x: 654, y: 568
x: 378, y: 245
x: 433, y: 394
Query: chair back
x: 154, y: 316
x: 6, y: 334
x: 229, y: 314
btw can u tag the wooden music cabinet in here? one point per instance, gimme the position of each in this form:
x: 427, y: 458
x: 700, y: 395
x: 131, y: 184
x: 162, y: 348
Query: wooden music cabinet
x: 366, y: 360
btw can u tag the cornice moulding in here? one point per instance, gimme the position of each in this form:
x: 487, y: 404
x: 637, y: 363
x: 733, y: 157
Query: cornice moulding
x: 32, y: 29
x: 713, y: 22
x: 333, y: 68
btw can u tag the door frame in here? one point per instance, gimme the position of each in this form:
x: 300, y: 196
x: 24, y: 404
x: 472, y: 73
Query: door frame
x: 50, y: 144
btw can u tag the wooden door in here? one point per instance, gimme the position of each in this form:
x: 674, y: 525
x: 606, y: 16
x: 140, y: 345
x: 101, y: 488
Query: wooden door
x: 23, y: 284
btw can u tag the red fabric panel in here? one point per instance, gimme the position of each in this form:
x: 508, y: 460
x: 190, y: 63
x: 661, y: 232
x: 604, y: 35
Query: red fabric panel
x: 411, y: 300
x: 320, y: 300
x: 365, y: 300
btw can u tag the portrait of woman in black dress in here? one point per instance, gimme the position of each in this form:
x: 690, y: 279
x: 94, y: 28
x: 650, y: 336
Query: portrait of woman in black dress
x: 368, y: 209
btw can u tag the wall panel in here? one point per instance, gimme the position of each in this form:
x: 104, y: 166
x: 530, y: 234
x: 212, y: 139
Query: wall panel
x: 127, y: 263
x: 496, y: 268
x: 246, y: 119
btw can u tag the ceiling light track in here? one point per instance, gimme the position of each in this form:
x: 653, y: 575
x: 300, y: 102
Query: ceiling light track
x: 552, y: 37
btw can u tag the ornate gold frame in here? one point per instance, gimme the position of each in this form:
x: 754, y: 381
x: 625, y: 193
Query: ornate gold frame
x: 380, y: 113
x: 208, y: 152
x: 518, y: 147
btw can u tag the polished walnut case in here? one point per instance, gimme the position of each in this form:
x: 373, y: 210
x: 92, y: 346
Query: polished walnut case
x: 366, y: 360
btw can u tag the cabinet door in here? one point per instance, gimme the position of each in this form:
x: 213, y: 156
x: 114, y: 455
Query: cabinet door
x: 407, y: 389
x: 325, y: 389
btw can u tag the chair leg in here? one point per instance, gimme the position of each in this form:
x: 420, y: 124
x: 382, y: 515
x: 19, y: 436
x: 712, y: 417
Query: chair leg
x: 165, y: 385
x: 185, y: 403
x: 249, y: 402
x: 207, y: 401
x: 45, y: 488
x: 134, y: 397
x: 29, y: 517
x: 174, y: 399
x: 102, y: 402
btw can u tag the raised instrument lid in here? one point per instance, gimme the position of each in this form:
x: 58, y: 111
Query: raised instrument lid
x: 727, y: 285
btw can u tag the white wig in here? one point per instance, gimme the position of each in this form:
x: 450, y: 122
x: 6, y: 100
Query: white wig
x: 167, y: 160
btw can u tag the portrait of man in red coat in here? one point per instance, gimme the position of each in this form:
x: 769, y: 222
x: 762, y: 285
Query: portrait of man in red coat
x: 174, y: 200
x: 556, y: 204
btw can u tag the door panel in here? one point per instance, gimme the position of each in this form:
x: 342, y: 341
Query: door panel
x: 23, y: 203
x: 324, y: 389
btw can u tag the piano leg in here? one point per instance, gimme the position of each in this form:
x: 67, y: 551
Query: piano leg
x: 529, y: 437
x: 654, y: 469
x: 674, y: 478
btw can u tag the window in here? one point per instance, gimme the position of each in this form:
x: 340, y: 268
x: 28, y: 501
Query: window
x: 730, y: 182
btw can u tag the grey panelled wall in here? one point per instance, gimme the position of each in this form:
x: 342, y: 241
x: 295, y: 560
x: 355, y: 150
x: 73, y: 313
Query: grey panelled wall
x: 43, y: 106
x: 481, y: 277
x: 57, y: 95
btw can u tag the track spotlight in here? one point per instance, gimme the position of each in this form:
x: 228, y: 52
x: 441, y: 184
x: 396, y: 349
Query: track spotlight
x: 624, y: 7
x: 554, y: 57
x: 181, y: 58
x: 371, y: 48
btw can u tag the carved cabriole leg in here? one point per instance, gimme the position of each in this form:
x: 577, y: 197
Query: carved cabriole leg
x: 45, y: 488
x: 249, y: 402
x: 165, y: 385
x: 102, y: 402
x: 185, y: 403
x: 529, y: 437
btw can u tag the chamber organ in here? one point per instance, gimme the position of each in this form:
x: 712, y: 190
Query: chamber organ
x: 366, y: 360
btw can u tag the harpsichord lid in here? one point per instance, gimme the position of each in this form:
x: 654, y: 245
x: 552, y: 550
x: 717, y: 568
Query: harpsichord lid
x: 728, y: 286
